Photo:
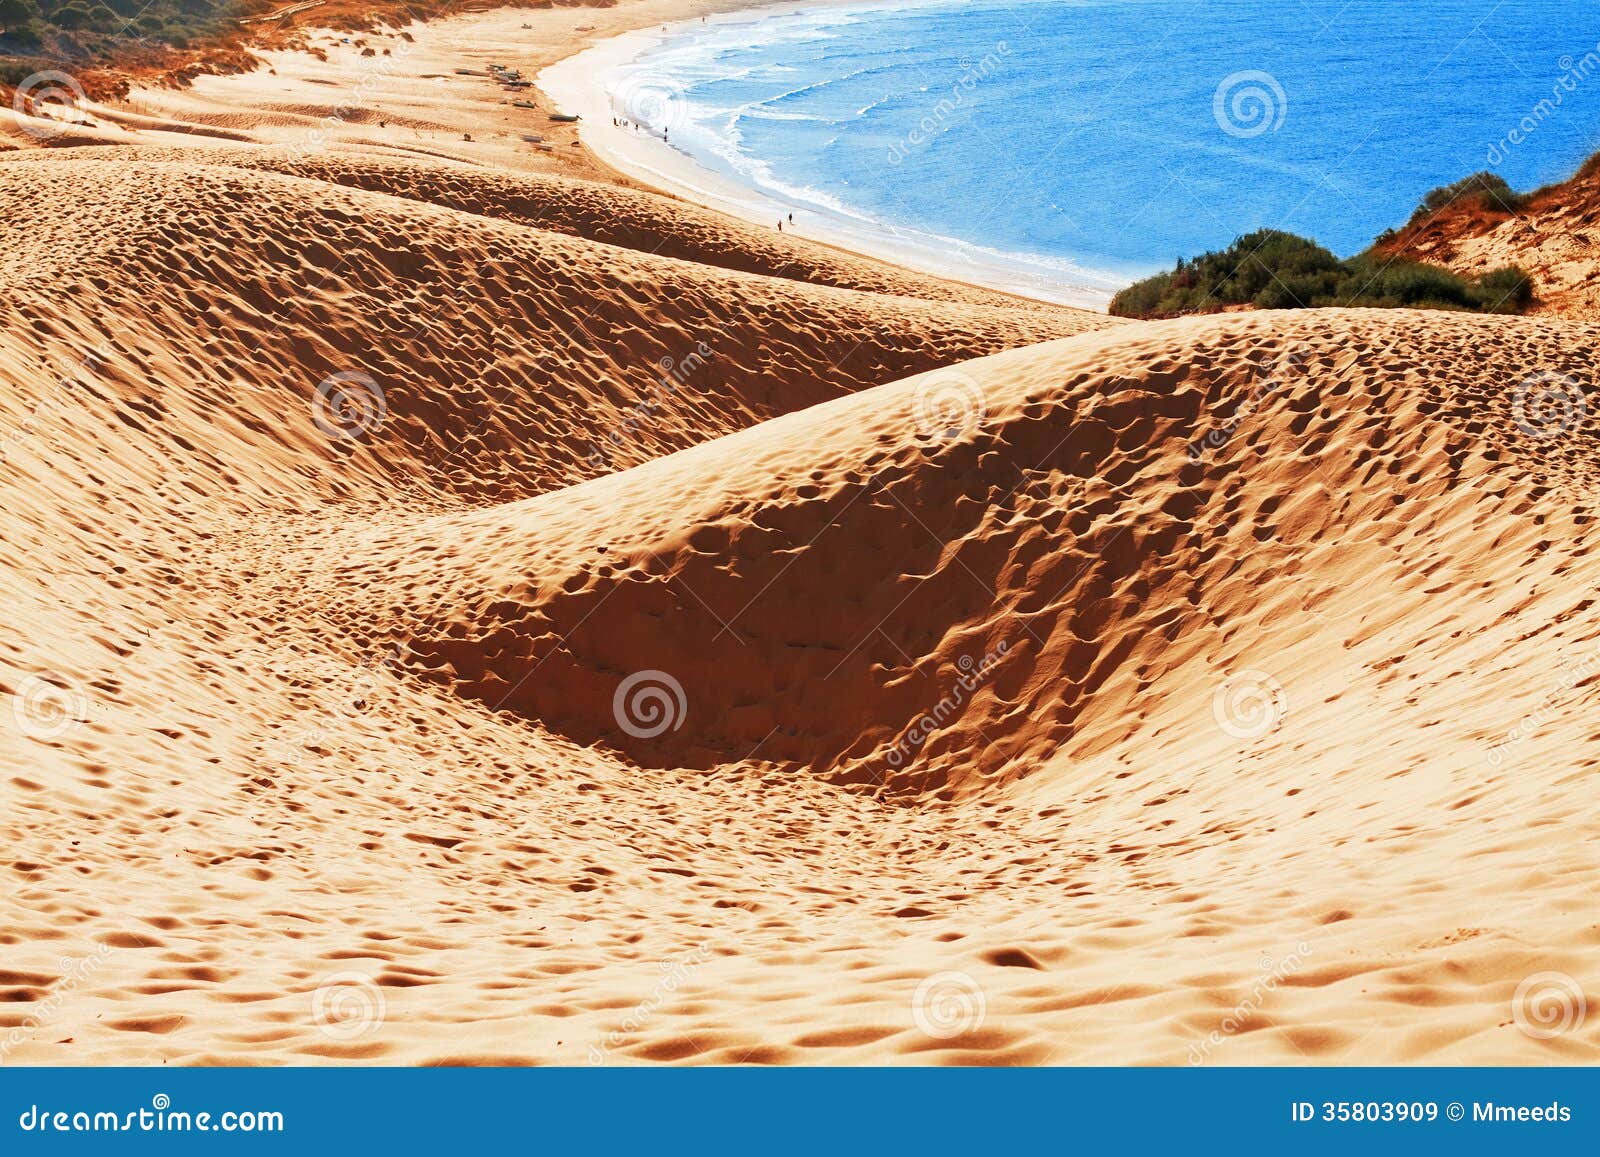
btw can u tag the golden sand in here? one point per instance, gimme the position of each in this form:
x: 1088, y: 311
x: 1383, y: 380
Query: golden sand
x: 466, y: 607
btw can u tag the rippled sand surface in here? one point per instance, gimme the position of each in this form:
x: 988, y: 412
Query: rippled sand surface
x: 467, y: 610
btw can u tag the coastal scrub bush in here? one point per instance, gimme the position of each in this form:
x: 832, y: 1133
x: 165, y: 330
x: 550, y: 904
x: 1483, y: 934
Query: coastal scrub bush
x: 1271, y: 269
x: 1488, y: 189
x: 15, y: 70
x: 70, y: 17
x: 14, y: 13
x: 72, y: 34
x: 1506, y: 290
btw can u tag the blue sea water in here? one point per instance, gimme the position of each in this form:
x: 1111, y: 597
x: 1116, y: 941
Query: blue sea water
x: 1098, y: 140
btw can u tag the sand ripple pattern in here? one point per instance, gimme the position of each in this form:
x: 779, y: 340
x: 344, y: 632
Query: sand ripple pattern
x: 323, y: 749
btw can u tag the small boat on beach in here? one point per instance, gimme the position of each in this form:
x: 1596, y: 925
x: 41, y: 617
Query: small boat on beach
x: 565, y: 118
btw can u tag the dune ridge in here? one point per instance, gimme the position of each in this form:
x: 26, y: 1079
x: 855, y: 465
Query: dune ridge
x: 473, y: 612
x: 1551, y: 235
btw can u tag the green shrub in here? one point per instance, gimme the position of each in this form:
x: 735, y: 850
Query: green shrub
x: 176, y: 22
x: 1506, y: 290
x: 71, y: 17
x: 1270, y: 269
x: 17, y: 12
x: 23, y: 34
x: 1490, y: 189
x: 16, y: 69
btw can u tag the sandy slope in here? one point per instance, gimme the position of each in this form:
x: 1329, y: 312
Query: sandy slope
x: 1204, y: 691
x: 1555, y: 238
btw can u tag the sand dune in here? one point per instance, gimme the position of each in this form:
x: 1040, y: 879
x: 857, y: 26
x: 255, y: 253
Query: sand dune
x: 473, y: 613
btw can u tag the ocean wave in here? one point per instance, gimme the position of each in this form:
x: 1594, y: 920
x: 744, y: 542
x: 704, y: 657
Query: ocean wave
x: 1061, y: 129
x: 826, y: 84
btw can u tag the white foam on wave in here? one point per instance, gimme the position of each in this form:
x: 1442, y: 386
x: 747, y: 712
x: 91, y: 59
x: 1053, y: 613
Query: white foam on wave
x: 693, y: 65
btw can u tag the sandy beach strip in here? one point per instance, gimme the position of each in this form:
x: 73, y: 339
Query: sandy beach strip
x: 577, y: 86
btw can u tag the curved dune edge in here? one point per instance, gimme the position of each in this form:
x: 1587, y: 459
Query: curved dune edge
x: 1210, y: 691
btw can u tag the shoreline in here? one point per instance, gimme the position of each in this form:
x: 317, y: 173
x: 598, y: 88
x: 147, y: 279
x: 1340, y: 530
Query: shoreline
x: 575, y: 86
